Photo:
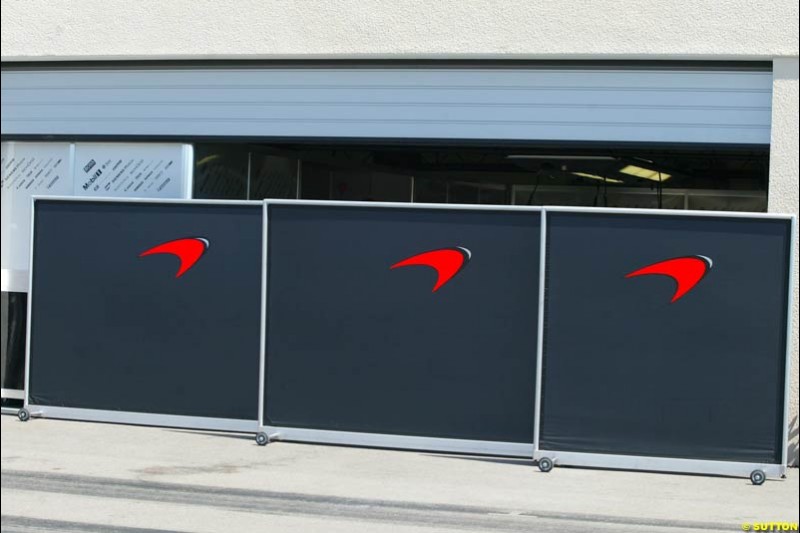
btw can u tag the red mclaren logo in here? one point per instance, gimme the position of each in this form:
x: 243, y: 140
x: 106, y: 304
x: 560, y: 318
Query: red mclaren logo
x: 188, y: 251
x: 686, y: 271
x: 447, y: 262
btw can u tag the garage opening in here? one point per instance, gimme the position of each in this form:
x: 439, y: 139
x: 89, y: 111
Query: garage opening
x: 728, y: 179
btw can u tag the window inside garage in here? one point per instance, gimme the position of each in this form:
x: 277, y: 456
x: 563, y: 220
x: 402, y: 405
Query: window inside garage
x: 727, y: 179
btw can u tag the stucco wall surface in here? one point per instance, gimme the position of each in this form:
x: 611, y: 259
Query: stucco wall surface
x: 784, y: 182
x: 592, y: 29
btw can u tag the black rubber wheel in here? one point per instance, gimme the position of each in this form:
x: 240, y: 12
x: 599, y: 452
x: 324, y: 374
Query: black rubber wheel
x: 24, y: 415
x: 758, y: 477
x: 262, y: 439
x: 545, y: 464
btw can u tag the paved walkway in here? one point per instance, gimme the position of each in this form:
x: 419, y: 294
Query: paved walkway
x: 75, y: 476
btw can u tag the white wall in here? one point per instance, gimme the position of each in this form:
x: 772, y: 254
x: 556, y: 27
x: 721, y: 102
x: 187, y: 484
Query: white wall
x: 435, y: 29
x: 109, y: 29
x: 783, y: 194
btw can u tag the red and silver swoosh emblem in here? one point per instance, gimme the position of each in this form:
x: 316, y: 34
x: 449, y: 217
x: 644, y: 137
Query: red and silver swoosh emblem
x: 188, y: 251
x: 447, y: 262
x: 686, y: 271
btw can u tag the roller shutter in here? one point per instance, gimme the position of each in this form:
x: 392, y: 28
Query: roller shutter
x: 607, y: 105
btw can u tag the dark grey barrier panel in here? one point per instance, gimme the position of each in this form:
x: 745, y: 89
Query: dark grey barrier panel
x: 118, y: 337
x: 357, y: 349
x: 628, y: 371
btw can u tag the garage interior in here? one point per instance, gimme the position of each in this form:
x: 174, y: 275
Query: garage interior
x: 716, y: 178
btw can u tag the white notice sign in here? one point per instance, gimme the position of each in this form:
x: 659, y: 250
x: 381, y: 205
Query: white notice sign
x: 115, y: 170
x: 133, y: 170
x: 28, y: 169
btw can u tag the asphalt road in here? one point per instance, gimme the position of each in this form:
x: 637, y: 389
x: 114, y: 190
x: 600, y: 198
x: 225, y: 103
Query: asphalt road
x: 71, y: 476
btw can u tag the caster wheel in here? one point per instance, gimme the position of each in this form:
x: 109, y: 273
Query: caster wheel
x: 758, y: 477
x: 262, y: 439
x: 545, y: 464
x: 24, y: 415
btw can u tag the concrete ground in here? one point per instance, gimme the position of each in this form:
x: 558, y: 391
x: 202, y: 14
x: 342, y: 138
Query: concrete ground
x: 74, y: 476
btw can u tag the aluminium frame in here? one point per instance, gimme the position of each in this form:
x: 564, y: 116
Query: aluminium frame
x: 121, y: 417
x: 673, y: 464
x: 619, y: 461
x: 532, y: 450
x: 355, y: 438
